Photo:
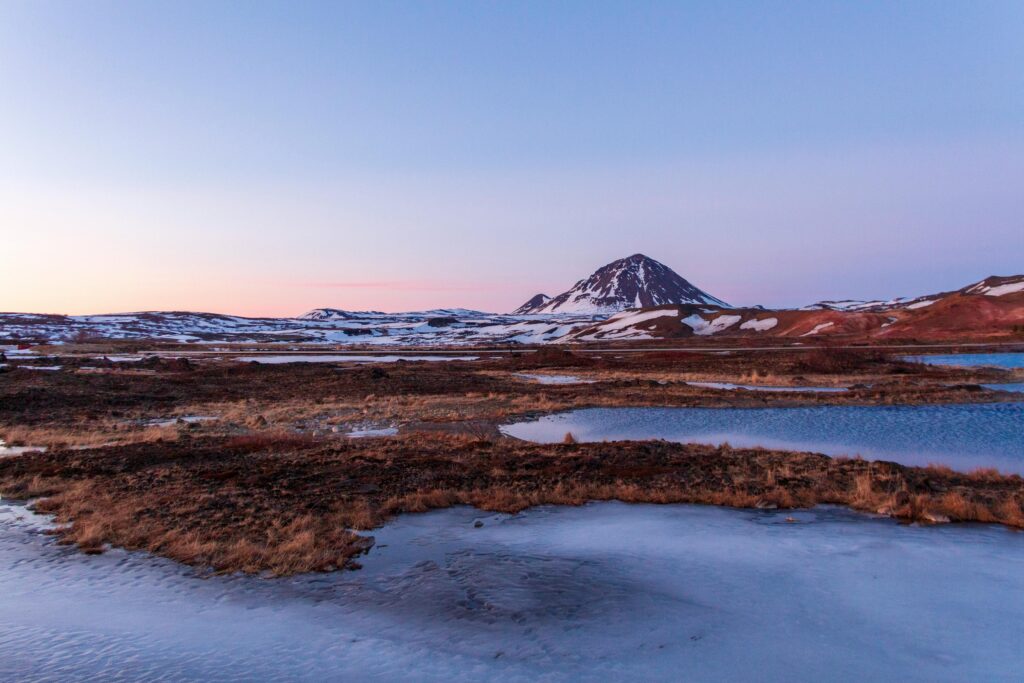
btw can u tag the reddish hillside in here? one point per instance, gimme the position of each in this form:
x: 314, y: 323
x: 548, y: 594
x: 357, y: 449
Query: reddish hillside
x: 992, y: 308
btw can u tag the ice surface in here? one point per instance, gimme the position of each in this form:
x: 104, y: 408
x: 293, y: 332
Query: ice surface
x: 961, y: 436
x: 604, y: 592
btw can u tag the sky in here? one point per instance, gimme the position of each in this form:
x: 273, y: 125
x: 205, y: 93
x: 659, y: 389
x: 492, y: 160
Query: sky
x: 267, y: 158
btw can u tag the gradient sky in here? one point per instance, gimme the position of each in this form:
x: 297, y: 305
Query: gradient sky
x: 268, y: 158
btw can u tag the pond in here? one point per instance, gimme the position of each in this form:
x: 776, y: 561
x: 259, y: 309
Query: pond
x: 729, y: 386
x: 1009, y: 386
x: 553, y: 379
x: 601, y: 592
x: 963, y: 436
x: 298, y: 358
x: 996, y: 360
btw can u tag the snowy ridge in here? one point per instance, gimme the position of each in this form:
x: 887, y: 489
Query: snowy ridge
x: 997, y: 286
x: 437, y: 327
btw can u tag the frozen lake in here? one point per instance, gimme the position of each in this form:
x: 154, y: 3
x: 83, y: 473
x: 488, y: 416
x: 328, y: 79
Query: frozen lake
x: 603, y: 592
x: 998, y: 360
x: 961, y: 436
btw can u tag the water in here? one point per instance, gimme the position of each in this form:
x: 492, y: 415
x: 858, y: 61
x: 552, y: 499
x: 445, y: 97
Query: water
x: 370, y: 433
x: 961, y: 436
x: 1010, y: 386
x: 554, y: 379
x: 276, y: 360
x: 185, y: 419
x: 603, y: 592
x: 761, y: 387
x: 998, y: 360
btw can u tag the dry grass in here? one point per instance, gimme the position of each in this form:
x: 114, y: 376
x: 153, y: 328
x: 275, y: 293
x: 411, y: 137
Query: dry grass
x: 88, y: 437
x: 270, y: 440
x: 93, y: 518
x: 284, y: 504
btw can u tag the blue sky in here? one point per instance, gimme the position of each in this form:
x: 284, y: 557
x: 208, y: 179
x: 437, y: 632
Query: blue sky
x: 273, y: 157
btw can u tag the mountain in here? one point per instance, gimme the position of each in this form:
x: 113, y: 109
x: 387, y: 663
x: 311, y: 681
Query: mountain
x: 633, y: 282
x: 992, y: 308
x: 537, y: 301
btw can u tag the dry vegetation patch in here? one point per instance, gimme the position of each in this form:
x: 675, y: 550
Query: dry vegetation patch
x: 282, y: 504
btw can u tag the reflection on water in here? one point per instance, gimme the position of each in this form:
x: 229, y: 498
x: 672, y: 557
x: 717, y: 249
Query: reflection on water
x: 601, y: 592
x: 961, y: 436
x: 554, y: 379
x: 998, y: 360
x: 763, y: 387
x: 1010, y: 386
x: 300, y: 358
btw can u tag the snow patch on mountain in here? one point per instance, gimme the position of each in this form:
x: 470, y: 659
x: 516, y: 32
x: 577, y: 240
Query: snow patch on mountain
x: 703, y: 327
x: 1003, y: 290
x: 624, y: 325
x: 817, y: 328
x: 759, y: 325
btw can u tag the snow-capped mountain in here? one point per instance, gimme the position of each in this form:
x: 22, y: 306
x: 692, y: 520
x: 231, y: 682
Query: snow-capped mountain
x: 633, y: 282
